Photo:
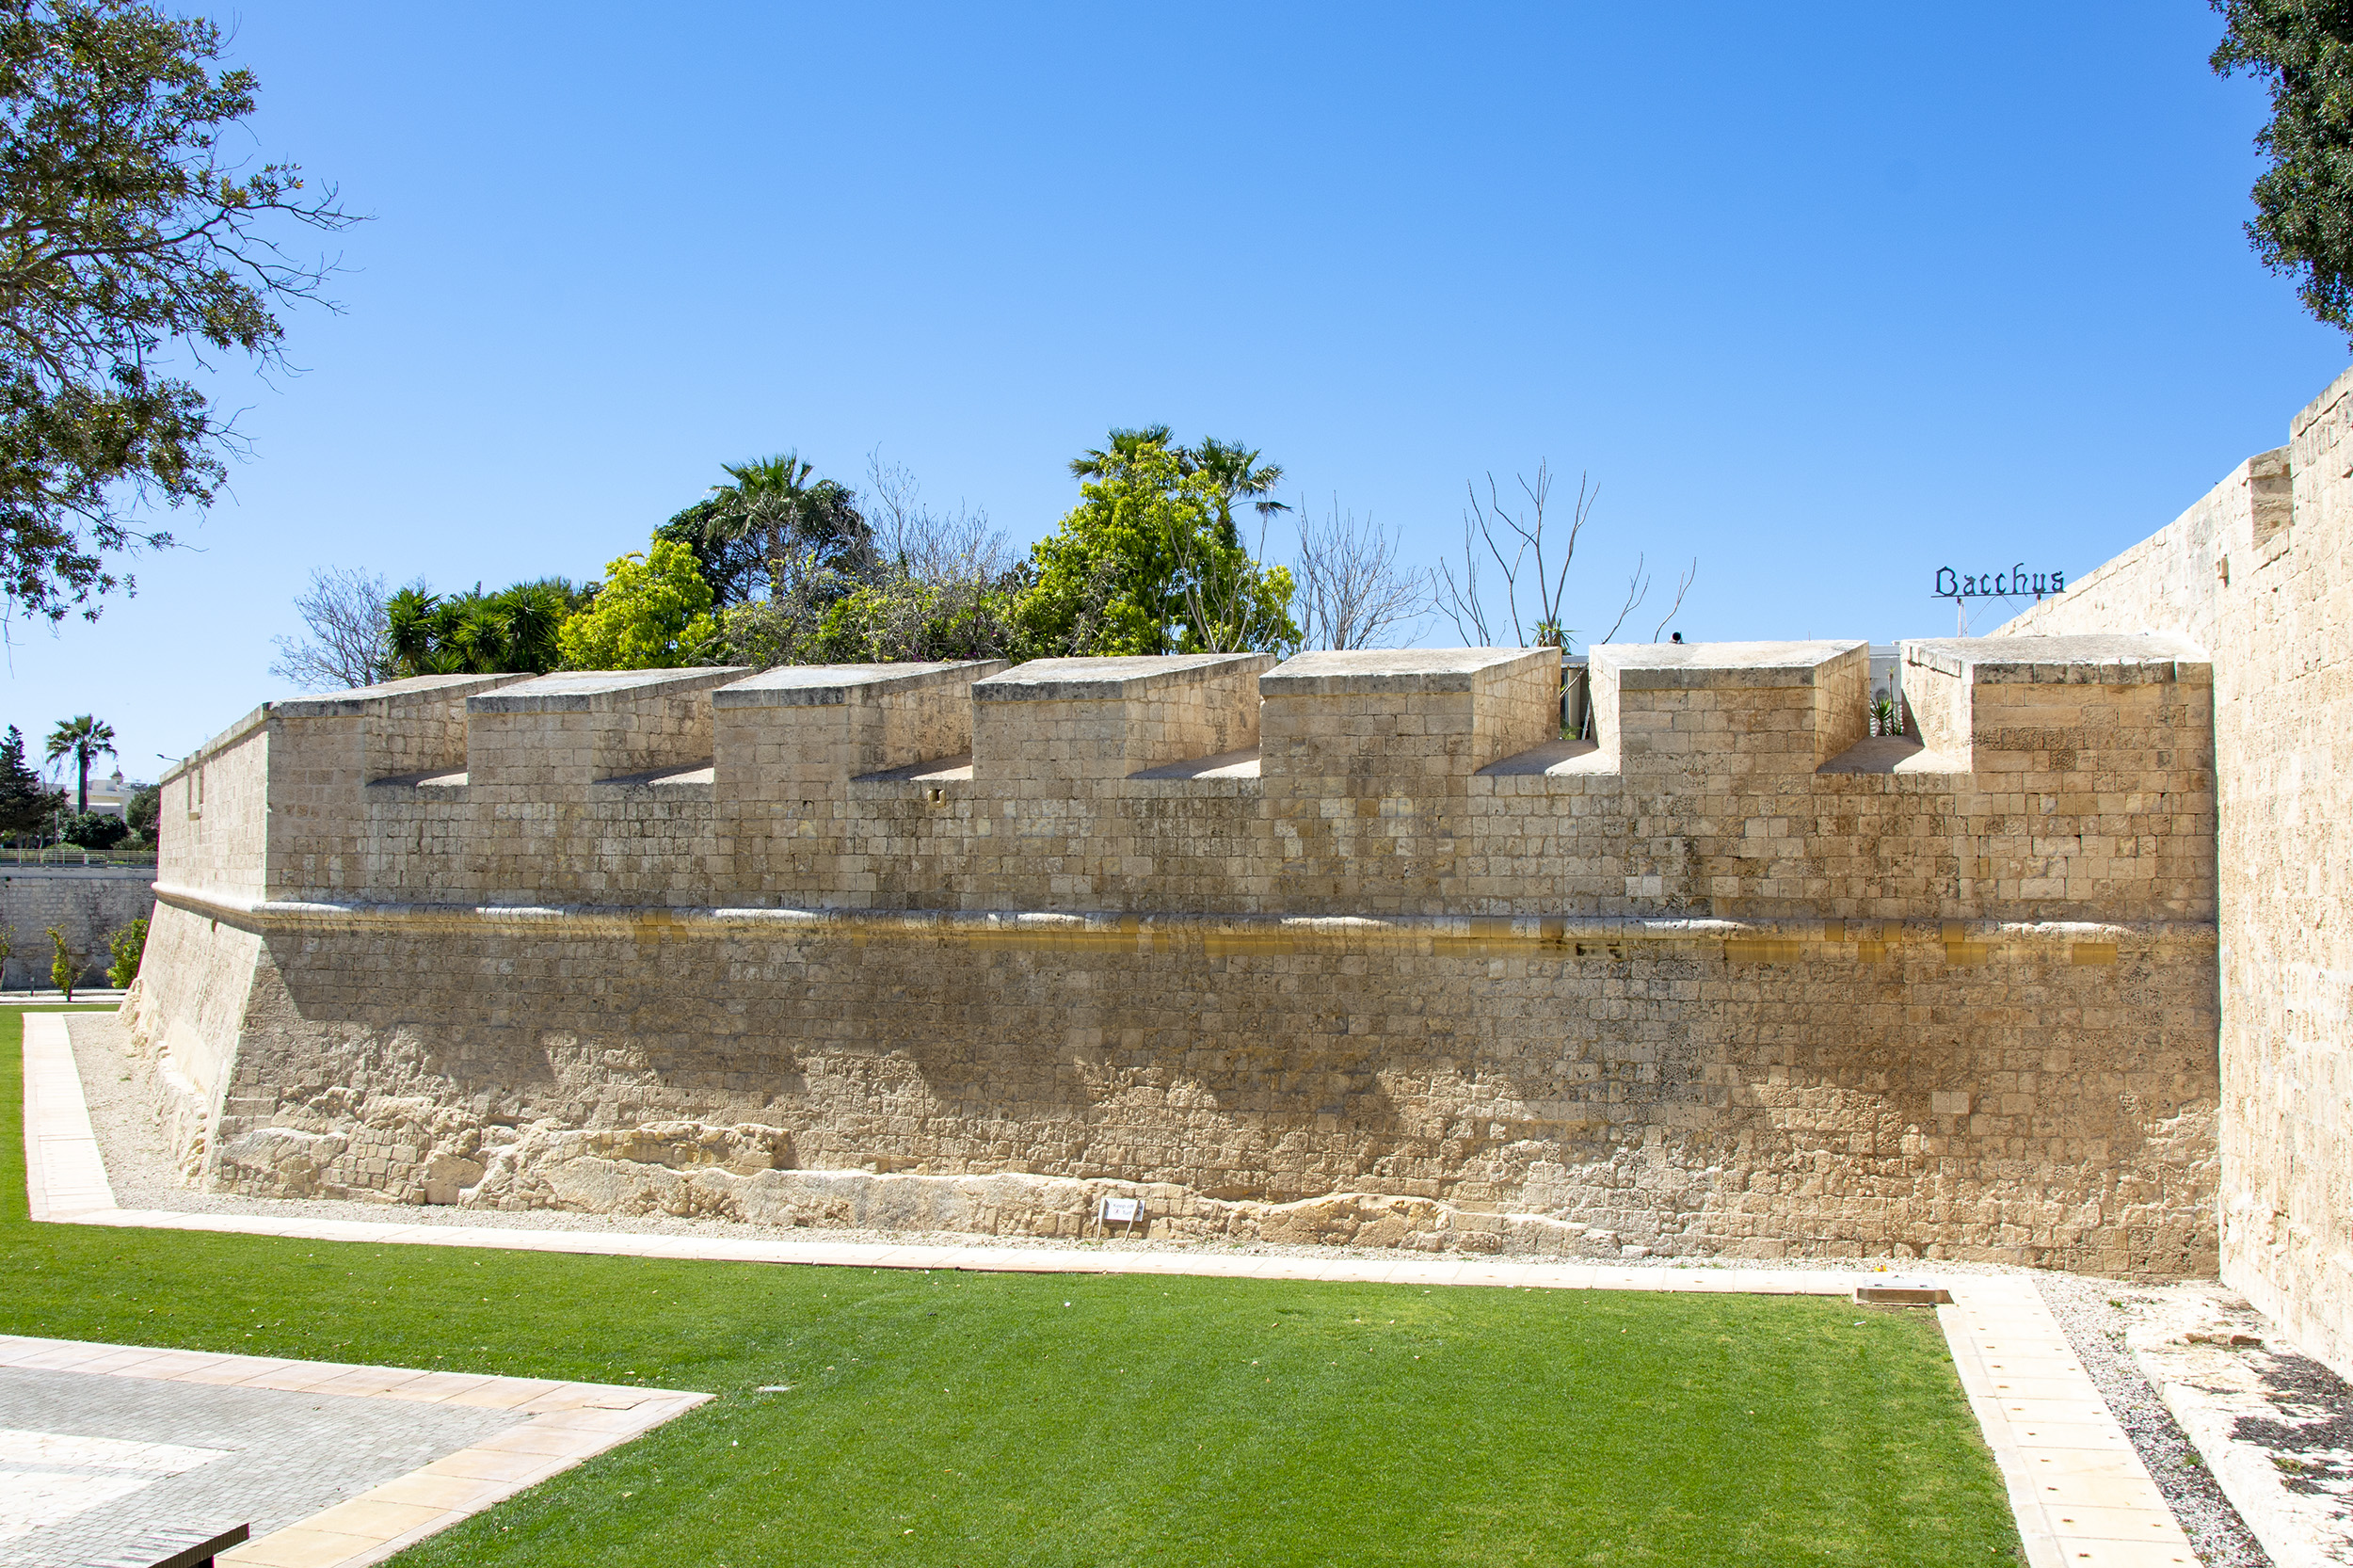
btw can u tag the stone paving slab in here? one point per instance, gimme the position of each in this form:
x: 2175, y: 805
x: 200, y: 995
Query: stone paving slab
x: 2274, y: 1427
x: 265, y: 1458
x: 334, y: 1465
x: 2081, y: 1495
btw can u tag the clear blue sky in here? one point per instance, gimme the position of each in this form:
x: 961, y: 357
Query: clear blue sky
x: 1825, y: 295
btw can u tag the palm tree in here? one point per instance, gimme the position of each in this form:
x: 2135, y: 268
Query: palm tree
x: 1096, y: 463
x: 771, y: 520
x: 530, y: 613
x: 409, y: 628
x: 82, y: 738
x: 1233, y: 469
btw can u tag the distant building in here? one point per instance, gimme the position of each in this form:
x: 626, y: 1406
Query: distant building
x: 110, y: 795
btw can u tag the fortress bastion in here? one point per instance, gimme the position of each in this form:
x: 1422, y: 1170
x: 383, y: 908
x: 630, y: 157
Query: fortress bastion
x: 1353, y: 947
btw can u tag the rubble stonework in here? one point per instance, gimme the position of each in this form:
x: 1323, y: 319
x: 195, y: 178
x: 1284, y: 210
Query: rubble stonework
x: 1357, y: 948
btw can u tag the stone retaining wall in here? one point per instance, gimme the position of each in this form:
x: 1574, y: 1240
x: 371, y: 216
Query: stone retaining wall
x: 87, y: 903
x: 1357, y: 948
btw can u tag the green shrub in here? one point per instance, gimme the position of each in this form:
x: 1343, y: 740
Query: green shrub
x: 142, y: 809
x: 96, y: 831
x: 64, y: 966
x: 128, y: 946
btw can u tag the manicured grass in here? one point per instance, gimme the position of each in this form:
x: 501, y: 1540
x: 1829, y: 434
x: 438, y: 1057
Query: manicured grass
x: 944, y: 1418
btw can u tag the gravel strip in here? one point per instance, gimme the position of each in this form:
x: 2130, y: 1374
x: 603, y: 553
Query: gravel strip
x: 2092, y: 1314
x: 144, y: 1178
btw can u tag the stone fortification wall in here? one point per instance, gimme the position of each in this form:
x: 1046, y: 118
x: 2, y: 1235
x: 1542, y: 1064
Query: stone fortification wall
x: 2259, y: 572
x: 1357, y: 948
x: 87, y: 903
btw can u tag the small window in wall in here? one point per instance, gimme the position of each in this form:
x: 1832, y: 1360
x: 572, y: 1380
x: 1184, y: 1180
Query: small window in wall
x: 196, y: 791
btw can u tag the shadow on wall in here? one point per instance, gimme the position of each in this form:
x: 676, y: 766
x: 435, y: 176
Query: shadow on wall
x: 1585, y: 1086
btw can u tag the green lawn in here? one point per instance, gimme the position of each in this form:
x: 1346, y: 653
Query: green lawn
x: 943, y: 1419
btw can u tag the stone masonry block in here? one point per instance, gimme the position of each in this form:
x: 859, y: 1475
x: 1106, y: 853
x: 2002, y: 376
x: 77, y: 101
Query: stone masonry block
x: 1057, y: 720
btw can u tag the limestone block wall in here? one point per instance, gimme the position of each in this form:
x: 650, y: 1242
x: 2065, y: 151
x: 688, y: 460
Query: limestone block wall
x: 87, y: 903
x: 1052, y: 722
x: 2257, y: 574
x: 1360, y: 947
x: 214, y: 810
x: 323, y: 752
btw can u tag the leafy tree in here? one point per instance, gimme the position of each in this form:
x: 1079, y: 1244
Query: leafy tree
x: 933, y: 585
x: 26, y: 803
x: 127, y: 235
x: 83, y: 739
x: 95, y: 830
x: 144, y: 811
x: 128, y: 946
x: 65, y: 965
x: 894, y: 617
x: 652, y: 612
x: 1151, y: 561
x: 2303, y: 221
x: 1231, y: 469
x: 771, y: 526
x: 511, y: 631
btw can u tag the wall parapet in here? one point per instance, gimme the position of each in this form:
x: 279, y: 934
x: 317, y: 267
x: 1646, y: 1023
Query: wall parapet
x: 1725, y: 779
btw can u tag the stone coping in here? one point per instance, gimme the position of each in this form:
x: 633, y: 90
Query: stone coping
x: 1098, y: 680
x: 1851, y: 938
x: 1328, y: 673
x: 2118, y: 660
x: 598, y: 691
x: 364, y: 701
x: 2077, y: 1488
x: 832, y: 685
x: 2329, y: 399
x: 1699, y: 666
x: 692, y: 778
x: 564, y: 1424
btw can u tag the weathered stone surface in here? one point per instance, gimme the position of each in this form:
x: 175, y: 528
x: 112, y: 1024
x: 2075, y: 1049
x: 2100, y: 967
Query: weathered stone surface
x: 2259, y: 576
x: 1374, y: 957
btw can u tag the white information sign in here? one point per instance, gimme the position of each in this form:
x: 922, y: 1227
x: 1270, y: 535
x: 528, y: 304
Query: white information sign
x: 1126, y: 1210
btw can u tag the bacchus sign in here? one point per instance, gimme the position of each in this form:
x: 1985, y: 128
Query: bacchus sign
x: 2014, y: 583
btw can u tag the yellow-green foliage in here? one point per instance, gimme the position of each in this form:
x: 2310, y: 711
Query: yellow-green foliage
x: 127, y: 945
x: 653, y: 613
x: 64, y: 967
x: 1146, y: 563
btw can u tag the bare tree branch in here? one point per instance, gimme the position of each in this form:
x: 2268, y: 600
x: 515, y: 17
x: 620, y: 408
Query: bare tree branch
x: 1513, y: 536
x: 929, y: 546
x: 350, y: 634
x: 1637, y: 590
x: 1350, y: 591
x: 1683, y: 586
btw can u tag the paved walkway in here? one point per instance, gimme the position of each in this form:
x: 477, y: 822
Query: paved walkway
x: 250, y: 1419
x: 89, y: 1460
x: 2082, y: 1497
